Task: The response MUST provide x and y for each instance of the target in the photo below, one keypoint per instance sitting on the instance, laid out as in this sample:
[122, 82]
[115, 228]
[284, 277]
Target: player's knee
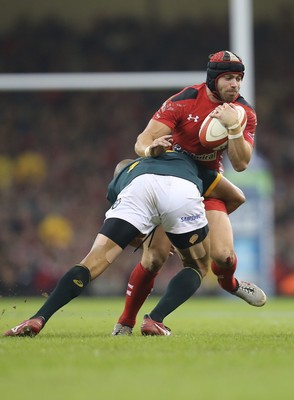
[153, 261]
[223, 258]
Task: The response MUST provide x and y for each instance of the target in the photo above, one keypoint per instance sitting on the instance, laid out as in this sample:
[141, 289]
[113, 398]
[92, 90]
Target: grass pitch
[221, 348]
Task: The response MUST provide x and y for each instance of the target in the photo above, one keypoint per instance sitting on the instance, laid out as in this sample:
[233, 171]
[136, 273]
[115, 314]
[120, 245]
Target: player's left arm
[239, 151]
[240, 144]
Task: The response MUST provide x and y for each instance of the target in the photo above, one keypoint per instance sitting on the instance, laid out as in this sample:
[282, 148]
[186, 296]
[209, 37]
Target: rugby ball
[213, 135]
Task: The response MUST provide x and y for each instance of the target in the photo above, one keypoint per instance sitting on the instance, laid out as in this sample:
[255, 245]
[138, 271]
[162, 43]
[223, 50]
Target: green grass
[221, 348]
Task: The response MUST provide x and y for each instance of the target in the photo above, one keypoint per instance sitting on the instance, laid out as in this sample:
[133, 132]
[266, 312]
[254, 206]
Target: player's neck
[212, 97]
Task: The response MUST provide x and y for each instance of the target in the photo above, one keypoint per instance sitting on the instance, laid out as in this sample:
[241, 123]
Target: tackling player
[144, 194]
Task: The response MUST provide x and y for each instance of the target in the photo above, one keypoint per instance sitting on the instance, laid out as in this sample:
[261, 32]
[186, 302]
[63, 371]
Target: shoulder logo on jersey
[116, 203]
[191, 118]
[133, 166]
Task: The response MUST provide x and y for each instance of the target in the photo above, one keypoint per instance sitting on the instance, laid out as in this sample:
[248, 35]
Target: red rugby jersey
[184, 113]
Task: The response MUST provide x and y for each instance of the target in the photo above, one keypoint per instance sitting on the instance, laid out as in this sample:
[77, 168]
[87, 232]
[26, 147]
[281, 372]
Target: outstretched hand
[159, 146]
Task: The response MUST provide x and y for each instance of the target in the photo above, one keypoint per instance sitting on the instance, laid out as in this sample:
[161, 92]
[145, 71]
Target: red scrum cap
[222, 63]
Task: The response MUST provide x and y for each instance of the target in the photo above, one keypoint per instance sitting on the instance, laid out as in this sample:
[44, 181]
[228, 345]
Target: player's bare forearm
[153, 131]
[239, 153]
[143, 141]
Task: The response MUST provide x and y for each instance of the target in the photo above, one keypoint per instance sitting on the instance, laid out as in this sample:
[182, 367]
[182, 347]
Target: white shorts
[150, 200]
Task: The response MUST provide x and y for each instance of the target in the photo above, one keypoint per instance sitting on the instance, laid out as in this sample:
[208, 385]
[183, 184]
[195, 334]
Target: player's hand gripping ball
[213, 135]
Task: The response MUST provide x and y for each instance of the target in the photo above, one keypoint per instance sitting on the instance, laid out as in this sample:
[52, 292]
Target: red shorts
[214, 204]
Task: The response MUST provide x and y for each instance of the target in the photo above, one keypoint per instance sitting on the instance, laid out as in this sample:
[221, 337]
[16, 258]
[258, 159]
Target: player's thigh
[221, 234]
[156, 250]
[181, 207]
[197, 256]
[135, 205]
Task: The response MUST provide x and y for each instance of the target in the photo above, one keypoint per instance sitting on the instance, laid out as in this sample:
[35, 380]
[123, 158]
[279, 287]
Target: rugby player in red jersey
[179, 120]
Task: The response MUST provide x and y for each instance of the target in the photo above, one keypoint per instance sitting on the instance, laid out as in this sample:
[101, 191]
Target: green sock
[69, 286]
[180, 288]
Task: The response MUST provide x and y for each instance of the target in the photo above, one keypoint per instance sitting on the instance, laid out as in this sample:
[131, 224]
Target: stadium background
[58, 149]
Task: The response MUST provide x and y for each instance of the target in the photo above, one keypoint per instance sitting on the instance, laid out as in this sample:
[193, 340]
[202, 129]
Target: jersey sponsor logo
[200, 157]
[204, 157]
[190, 218]
[190, 118]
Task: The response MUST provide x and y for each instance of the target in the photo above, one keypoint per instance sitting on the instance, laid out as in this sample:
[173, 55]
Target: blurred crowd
[58, 149]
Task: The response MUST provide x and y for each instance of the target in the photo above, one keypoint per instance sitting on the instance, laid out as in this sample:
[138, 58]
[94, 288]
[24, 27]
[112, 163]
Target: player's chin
[230, 97]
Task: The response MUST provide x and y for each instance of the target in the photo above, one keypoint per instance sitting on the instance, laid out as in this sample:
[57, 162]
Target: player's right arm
[230, 194]
[154, 140]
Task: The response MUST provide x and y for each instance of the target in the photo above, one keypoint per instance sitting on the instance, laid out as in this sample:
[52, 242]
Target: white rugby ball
[213, 135]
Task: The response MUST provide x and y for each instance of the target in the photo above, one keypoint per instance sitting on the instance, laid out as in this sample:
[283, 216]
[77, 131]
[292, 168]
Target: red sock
[140, 284]
[225, 275]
